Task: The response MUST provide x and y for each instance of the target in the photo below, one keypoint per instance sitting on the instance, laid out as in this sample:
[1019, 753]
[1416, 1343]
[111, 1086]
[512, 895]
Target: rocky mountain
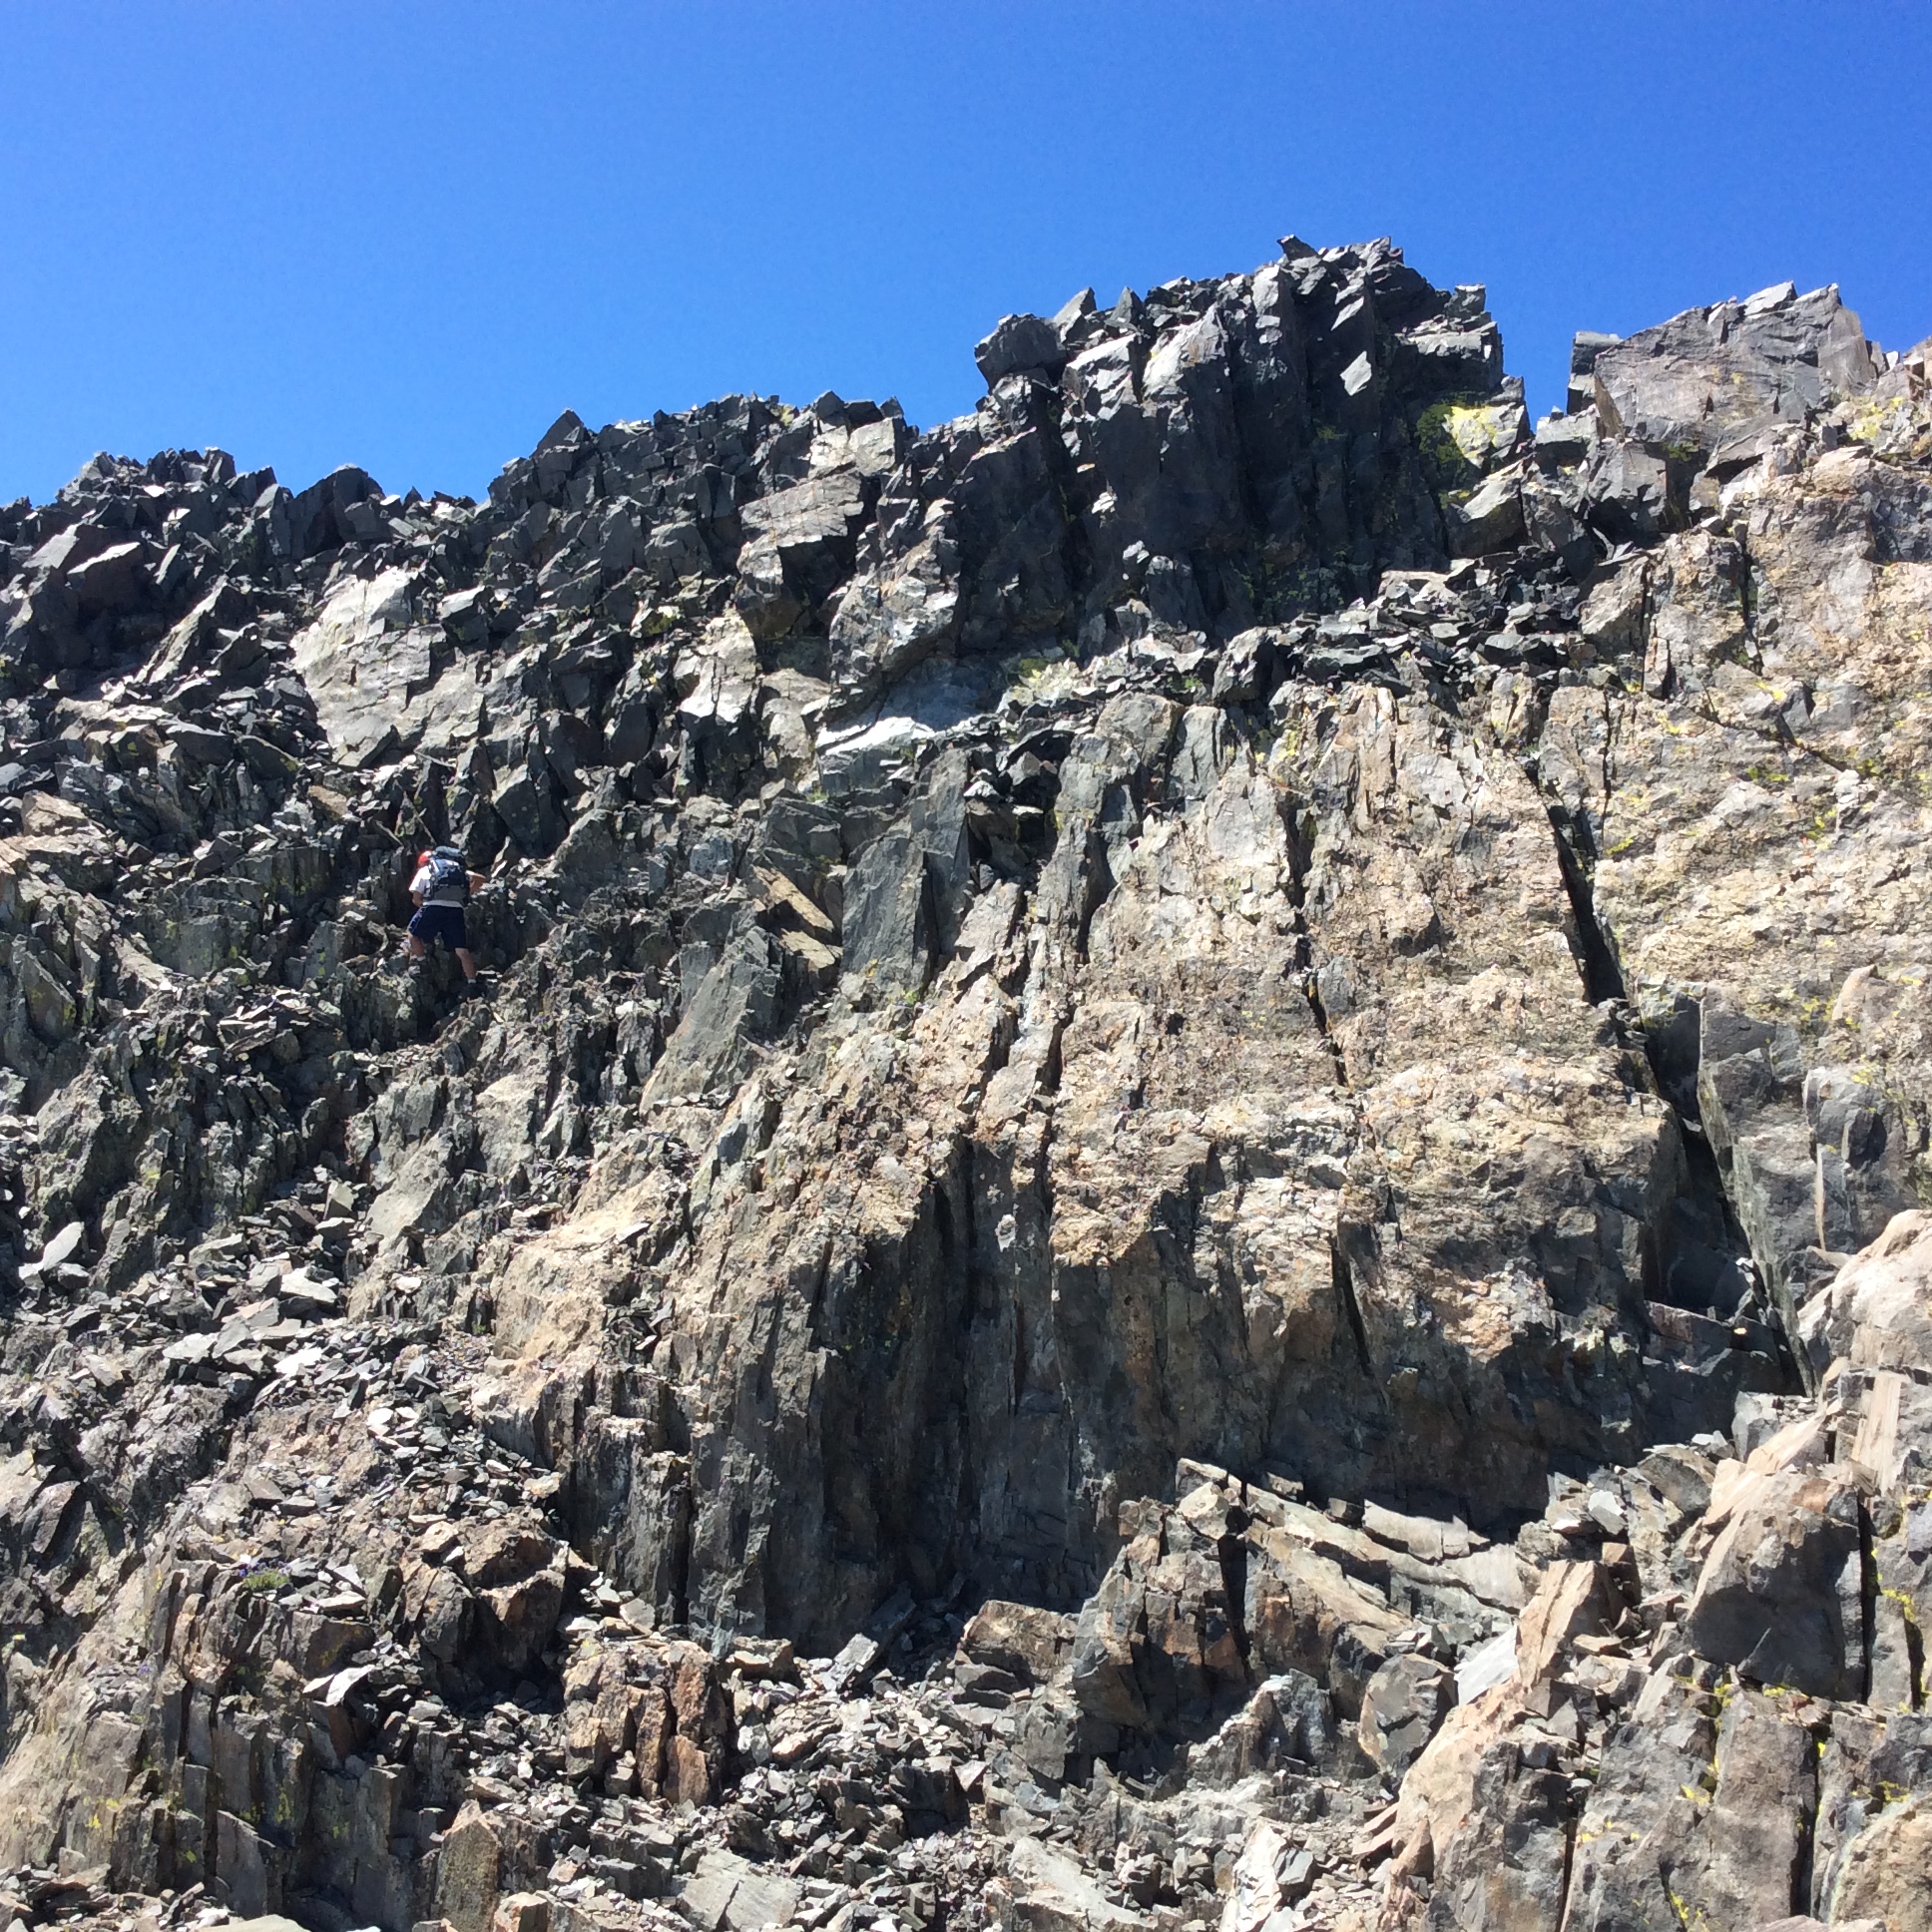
[1192, 1184]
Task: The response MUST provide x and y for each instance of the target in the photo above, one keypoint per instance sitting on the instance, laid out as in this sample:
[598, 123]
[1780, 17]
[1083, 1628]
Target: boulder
[1886, 1876]
[1695, 1813]
[1403, 1705]
[1877, 1313]
[1029, 1643]
[1780, 1594]
[1490, 518]
[1696, 378]
[468, 1865]
[1023, 343]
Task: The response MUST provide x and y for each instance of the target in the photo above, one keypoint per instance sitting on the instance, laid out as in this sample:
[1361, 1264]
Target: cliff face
[1167, 1134]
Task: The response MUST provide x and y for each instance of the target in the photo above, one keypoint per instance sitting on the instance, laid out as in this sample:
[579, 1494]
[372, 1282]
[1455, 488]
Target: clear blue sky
[407, 236]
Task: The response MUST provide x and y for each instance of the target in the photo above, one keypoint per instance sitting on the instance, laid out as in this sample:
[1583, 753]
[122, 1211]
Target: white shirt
[451, 895]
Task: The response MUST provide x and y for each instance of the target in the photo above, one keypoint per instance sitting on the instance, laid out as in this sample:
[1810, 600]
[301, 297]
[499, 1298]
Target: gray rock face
[1215, 454]
[1403, 1703]
[1708, 374]
[1781, 1596]
[1189, 1181]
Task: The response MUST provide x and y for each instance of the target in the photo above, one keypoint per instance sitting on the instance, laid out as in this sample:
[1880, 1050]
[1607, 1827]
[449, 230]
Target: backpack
[447, 869]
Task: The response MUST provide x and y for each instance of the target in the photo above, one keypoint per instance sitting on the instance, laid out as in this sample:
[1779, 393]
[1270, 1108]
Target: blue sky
[409, 235]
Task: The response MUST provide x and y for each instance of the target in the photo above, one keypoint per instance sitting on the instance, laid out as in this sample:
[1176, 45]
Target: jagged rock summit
[1191, 1184]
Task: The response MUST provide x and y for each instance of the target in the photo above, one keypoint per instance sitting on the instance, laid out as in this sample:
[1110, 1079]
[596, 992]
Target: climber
[440, 892]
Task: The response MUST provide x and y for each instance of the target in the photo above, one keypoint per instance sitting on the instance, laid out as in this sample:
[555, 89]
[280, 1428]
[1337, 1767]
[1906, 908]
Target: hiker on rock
[441, 891]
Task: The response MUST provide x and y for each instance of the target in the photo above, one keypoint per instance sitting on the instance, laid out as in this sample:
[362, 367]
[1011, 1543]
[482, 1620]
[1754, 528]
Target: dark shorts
[434, 922]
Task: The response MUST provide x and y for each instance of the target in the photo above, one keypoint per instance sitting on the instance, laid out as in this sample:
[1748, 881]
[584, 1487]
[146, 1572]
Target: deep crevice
[1345, 1278]
[1803, 1864]
[1603, 978]
[1232, 1551]
[1868, 1594]
[681, 1562]
[1699, 1265]
[1915, 1661]
[1570, 1827]
[1096, 886]
[1311, 992]
[1303, 957]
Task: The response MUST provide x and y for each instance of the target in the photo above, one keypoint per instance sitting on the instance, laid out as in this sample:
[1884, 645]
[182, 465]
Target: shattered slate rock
[1187, 1185]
